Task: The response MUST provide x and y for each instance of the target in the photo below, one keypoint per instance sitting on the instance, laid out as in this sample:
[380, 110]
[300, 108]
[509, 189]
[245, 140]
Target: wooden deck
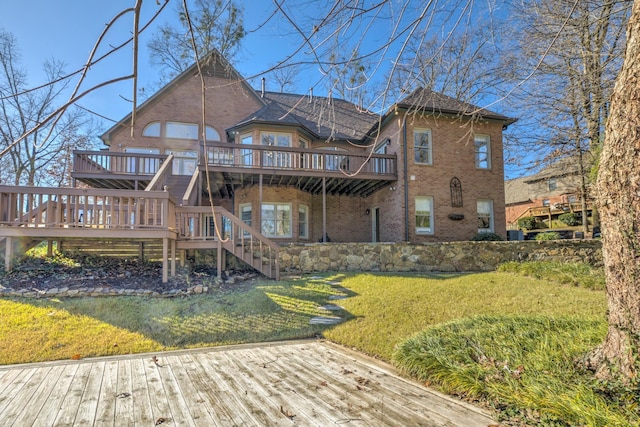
[305, 383]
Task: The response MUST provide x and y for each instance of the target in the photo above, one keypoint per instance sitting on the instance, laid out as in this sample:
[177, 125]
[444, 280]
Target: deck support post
[49, 248]
[324, 209]
[173, 258]
[165, 261]
[8, 254]
[219, 259]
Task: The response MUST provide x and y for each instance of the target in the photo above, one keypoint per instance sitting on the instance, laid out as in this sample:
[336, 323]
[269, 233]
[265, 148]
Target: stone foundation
[445, 257]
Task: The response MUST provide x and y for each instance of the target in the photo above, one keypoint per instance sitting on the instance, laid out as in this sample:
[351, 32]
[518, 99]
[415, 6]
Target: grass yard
[508, 339]
[35, 330]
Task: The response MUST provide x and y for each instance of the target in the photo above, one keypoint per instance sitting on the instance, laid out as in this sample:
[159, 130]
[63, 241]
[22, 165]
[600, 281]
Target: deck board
[317, 383]
[56, 398]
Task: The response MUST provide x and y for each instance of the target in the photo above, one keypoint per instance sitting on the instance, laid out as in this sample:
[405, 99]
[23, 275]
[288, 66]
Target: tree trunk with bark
[618, 199]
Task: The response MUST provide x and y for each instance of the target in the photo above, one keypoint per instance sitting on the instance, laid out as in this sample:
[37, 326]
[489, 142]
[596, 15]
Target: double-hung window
[485, 216]
[422, 146]
[424, 215]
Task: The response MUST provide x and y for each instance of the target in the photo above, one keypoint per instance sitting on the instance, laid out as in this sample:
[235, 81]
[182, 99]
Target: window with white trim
[422, 146]
[211, 134]
[178, 130]
[276, 158]
[245, 215]
[485, 216]
[483, 151]
[246, 154]
[152, 129]
[552, 184]
[424, 215]
[303, 222]
[276, 219]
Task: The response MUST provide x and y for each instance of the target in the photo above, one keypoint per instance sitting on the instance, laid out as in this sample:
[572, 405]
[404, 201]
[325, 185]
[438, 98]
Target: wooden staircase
[201, 227]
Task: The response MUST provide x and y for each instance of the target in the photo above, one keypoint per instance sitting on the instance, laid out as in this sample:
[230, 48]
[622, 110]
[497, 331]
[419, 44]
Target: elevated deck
[32, 214]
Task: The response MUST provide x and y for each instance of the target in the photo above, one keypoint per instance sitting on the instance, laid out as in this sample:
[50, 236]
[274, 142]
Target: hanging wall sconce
[367, 211]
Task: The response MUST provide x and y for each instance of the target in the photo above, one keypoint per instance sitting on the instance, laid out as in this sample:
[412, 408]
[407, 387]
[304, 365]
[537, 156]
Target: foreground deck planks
[303, 383]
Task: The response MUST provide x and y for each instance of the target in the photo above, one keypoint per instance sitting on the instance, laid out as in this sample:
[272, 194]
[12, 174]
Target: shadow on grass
[254, 311]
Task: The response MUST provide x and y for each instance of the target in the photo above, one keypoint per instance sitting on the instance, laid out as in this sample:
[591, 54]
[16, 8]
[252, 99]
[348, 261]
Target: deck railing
[299, 159]
[112, 162]
[95, 208]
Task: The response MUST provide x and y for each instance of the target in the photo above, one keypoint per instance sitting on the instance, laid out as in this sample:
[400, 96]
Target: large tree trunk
[618, 198]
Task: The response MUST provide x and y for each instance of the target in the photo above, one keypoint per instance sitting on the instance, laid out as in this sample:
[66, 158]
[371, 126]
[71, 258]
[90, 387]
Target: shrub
[548, 235]
[569, 219]
[485, 237]
[527, 223]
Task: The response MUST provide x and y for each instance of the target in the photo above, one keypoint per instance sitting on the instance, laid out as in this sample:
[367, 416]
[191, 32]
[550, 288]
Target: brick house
[545, 195]
[270, 168]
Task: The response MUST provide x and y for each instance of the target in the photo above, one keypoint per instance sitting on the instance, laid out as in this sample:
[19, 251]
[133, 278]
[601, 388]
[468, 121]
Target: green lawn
[510, 339]
[49, 329]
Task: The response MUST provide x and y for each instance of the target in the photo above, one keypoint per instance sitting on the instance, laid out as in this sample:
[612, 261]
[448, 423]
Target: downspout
[406, 179]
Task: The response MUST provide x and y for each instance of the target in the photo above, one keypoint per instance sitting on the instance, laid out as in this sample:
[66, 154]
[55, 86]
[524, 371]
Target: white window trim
[415, 147]
[275, 135]
[424, 230]
[491, 216]
[304, 208]
[188, 138]
[276, 236]
[487, 140]
[150, 125]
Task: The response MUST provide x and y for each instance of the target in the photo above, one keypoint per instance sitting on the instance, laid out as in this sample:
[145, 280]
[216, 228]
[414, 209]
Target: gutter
[406, 178]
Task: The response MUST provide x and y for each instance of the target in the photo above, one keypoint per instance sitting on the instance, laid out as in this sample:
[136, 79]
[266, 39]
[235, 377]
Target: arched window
[212, 134]
[152, 129]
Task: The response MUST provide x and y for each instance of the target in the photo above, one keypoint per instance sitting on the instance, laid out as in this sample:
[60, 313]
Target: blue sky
[67, 30]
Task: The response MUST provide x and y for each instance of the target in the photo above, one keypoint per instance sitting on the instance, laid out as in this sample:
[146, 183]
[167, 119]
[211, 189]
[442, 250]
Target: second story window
[152, 129]
[483, 151]
[280, 159]
[179, 130]
[552, 184]
[422, 147]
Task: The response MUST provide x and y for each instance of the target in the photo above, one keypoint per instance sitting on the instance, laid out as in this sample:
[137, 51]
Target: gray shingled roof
[561, 167]
[323, 117]
[516, 191]
[426, 99]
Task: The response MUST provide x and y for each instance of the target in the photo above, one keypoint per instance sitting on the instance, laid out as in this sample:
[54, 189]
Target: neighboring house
[552, 191]
[284, 168]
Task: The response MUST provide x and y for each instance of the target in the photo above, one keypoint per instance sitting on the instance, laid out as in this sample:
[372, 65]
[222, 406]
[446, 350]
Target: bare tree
[30, 161]
[285, 77]
[618, 187]
[217, 24]
[467, 65]
[576, 49]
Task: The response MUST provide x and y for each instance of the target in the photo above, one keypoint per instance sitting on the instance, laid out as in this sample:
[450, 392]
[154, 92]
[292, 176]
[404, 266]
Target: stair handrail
[192, 189]
[160, 178]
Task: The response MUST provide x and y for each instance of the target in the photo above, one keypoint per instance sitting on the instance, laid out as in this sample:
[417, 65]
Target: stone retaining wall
[446, 257]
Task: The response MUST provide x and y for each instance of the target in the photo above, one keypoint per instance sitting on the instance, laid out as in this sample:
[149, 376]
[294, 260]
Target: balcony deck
[233, 166]
[344, 173]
